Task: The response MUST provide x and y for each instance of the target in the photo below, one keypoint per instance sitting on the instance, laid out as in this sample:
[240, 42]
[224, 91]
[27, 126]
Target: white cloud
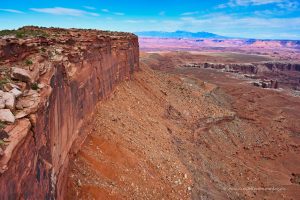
[283, 4]
[105, 10]
[134, 21]
[114, 13]
[12, 11]
[118, 13]
[63, 11]
[190, 13]
[89, 7]
[289, 5]
[236, 26]
[254, 2]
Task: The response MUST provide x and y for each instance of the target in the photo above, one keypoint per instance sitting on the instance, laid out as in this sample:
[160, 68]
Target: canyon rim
[150, 100]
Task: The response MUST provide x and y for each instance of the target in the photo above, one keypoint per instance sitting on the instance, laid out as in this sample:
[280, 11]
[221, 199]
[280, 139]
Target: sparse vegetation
[4, 69]
[3, 134]
[4, 78]
[28, 62]
[2, 125]
[7, 32]
[50, 54]
[34, 86]
[3, 81]
[2, 143]
[23, 33]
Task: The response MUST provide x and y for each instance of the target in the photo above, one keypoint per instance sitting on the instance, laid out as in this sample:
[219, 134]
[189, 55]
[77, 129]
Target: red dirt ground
[184, 133]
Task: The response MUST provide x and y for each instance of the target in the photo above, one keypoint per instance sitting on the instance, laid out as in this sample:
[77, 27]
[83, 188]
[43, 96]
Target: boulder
[14, 86]
[6, 116]
[21, 114]
[21, 74]
[28, 103]
[16, 92]
[10, 100]
[24, 103]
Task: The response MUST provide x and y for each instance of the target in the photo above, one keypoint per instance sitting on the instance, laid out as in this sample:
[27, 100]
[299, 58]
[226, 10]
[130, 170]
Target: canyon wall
[77, 68]
[266, 74]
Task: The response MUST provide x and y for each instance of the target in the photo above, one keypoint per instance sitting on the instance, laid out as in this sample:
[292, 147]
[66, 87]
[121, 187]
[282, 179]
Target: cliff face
[75, 69]
[267, 74]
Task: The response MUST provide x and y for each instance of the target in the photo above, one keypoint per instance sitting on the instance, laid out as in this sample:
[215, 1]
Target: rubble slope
[172, 136]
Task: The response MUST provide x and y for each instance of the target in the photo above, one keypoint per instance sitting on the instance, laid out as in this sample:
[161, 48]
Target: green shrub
[34, 86]
[2, 125]
[28, 62]
[3, 81]
[43, 49]
[23, 33]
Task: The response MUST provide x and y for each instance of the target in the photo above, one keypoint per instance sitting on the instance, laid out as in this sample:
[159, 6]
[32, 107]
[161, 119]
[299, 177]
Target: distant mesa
[179, 34]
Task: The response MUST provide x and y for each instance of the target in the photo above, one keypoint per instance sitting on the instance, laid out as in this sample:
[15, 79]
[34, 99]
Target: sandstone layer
[57, 76]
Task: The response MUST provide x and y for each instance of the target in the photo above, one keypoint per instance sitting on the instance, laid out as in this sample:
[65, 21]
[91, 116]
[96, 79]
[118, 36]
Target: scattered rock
[79, 183]
[21, 114]
[16, 92]
[14, 86]
[24, 103]
[21, 86]
[7, 116]
[295, 178]
[185, 176]
[41, 85]
[28, 103]
[32, 93]
[256, 84]
[7, 87]
[10, 100]
[21, 74]
[1, 152]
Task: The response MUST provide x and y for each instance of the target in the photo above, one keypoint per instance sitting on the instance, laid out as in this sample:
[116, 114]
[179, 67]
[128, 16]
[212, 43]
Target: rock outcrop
[271, 74]
[250, 68]
[58, 76]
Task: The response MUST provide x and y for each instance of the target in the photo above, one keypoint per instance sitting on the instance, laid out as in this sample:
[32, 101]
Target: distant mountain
[178, 34]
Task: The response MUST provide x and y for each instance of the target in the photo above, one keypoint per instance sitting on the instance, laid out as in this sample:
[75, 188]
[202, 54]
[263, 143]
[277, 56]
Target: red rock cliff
[69, 72]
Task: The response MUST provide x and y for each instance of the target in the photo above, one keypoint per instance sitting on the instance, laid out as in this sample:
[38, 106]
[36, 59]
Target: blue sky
[273, 19]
